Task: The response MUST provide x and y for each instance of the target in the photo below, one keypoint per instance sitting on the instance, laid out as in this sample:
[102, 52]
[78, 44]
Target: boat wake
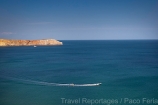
[59, 84]
[52, 84]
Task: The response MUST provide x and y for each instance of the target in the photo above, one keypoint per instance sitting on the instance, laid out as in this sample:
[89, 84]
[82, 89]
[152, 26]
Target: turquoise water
[128, 71]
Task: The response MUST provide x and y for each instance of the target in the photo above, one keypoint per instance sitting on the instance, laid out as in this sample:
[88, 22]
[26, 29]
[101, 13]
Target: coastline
[42, 42]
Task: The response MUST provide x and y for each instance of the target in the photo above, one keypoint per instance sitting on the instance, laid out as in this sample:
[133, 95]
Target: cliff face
[6, 42]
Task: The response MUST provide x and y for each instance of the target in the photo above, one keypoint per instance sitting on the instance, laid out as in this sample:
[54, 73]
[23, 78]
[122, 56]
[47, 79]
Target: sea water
[127, 69]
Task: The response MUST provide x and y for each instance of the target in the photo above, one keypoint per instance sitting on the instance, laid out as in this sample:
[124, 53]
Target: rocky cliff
[43, 42]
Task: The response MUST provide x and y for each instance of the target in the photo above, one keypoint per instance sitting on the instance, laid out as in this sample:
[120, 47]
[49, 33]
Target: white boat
[34, 46]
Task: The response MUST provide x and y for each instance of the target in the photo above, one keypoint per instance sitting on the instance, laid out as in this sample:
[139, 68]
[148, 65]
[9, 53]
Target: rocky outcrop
[43, 42]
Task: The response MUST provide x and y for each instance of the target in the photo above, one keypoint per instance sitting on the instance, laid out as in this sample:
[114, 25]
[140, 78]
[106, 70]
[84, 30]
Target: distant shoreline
[42, 42]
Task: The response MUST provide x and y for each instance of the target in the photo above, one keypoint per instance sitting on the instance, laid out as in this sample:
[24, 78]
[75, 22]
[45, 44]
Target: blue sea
[49, 75]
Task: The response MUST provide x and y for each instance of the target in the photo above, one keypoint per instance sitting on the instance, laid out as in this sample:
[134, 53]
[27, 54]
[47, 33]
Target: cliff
[43, 42]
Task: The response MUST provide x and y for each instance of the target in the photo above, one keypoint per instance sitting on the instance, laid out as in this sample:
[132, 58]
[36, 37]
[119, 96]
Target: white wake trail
[60, 84]
[51, 84]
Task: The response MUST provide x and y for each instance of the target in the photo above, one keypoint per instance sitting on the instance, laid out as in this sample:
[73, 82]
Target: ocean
[68, 74]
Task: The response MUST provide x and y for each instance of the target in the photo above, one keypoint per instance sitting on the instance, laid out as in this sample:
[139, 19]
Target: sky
[79, 19]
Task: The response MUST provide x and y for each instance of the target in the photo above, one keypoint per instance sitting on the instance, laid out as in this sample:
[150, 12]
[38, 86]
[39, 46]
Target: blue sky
[79, 19]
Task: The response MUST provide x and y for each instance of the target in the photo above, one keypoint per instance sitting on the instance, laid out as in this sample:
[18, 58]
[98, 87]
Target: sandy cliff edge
[42, 42]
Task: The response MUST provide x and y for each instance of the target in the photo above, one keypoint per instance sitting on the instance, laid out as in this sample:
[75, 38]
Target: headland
[42, 42]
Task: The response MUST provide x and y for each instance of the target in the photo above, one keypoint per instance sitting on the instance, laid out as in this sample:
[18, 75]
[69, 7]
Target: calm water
[126, 69]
